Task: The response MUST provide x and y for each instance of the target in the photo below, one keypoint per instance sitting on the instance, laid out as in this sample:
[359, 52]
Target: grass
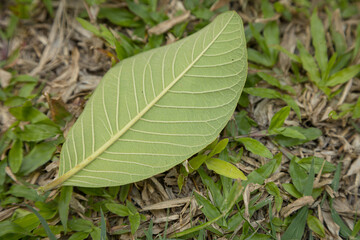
[286, 134]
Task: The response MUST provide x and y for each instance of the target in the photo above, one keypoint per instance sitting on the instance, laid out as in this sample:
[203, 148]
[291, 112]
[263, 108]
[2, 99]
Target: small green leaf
[315, 225]
[318, 41]
[81, 225]
[263, 92]
[290, 188]
[356, 111]
[272, 189]
[298, 175]
[214, 188]
[124, 192]
[278, 119]
[309, 133]
[38, 131]
[255, 147]
[224, 168]
[343, 75]
[295, 231]
[292, 56]
[16, 156]
[118, 209]
[289, 132]
[274, 82]
[219, 147]
[103, 226]
[43, 222]
[318, 163]
[25, 192]
[356, 229]
[196, 162]
[291, 102]
[119, 16]
[38, 156]
[134, 220]
[8, 227]
[88, 26]
[63, 205]
[209, 210]
[309, 64]
[262, 173]
[79, 236]
[309, 183]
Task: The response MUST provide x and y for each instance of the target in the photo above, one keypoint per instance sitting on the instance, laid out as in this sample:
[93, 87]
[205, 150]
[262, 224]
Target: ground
[295, 132]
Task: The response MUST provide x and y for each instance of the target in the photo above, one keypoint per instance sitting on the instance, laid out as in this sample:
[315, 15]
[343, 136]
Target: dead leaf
[168, 24]
[299, 203]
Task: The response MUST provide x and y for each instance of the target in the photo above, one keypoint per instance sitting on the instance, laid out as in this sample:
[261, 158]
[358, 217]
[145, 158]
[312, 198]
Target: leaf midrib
[116, 136]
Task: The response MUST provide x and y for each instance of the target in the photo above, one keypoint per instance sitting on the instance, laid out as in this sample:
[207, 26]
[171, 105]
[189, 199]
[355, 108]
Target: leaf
[356, 111]
[38, 156]
[263, 92]
[119, 16]
[156, 109]
[298, 175]
[272, 189]
[38, 131]
[209, 210]
[309, 133]
[274, 82]
[279, 118]
[309, 64]
[64, 205]
[318, 41]
[255, 147]
[79, 236]
[118, 209]
[88, 26]
[289, 132]
[16, 156]
[81, 225]
[343, 75]
[8, 227]
[318, 163]
[290, 188]
[315, 225]
[43, 222]
[224, 168]
[220, 146]
[259, 175]
[295, 231]
[103, 226]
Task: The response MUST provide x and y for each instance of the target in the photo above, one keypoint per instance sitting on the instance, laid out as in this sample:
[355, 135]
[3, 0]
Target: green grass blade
[43, 222]
[63, 205]
[319, 41]
[295, 231]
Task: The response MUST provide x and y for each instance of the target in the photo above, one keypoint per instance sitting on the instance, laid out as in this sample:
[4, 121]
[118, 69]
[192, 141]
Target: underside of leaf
[154, 110]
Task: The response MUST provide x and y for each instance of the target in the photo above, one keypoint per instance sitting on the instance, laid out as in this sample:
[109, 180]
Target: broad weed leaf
[154, 110]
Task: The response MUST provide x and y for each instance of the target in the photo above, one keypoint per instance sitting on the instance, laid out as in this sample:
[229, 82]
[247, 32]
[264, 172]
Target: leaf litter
[70, 61]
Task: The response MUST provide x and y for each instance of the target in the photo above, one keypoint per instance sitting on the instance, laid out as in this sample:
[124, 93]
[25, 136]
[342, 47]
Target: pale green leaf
[356, 111]
[319, 41]
[315, 225]
[309, 64]
[279, 118]
[224, 168]
[118, 209]
[343, 75]
[255, 147]
[272, 189]
[154, 110]
[64, 205]
[289, 132]
[16, 156]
